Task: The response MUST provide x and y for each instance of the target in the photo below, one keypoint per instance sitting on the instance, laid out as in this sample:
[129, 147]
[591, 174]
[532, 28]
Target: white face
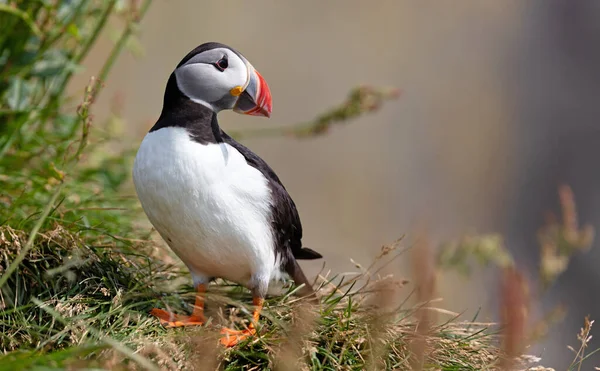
[204, 80]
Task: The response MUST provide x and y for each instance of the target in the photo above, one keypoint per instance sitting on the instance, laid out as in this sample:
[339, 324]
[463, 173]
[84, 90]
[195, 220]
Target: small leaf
[54, 64]
[18, 94]
[74, 31]
[4, 8]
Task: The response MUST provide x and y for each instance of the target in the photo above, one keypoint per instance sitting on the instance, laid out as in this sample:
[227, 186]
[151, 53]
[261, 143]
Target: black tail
[307, 254]
[294, 270]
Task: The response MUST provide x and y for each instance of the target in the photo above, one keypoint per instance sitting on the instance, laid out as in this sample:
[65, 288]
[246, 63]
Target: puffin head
[220, 78]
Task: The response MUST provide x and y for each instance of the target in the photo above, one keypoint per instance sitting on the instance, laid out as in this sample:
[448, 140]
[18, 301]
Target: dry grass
[91, 304]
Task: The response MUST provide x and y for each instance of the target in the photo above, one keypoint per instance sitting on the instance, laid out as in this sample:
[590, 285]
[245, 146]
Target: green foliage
[39, 52]
[485, 249]
[57, 179]
[360, 100]
[90, 310]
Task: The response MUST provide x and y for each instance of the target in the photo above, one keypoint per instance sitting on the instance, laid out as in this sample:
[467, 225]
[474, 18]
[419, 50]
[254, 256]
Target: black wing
[286, 221]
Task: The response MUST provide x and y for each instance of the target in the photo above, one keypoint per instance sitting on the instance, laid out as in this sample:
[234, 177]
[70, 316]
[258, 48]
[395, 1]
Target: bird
[218, 206]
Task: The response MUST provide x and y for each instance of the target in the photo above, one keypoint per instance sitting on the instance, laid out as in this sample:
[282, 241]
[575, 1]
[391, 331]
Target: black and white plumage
[218, 205]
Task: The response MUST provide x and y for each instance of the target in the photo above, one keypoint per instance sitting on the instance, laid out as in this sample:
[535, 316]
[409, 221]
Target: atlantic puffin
[219, 206]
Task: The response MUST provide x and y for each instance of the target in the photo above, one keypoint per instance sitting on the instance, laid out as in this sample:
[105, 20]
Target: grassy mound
[76, 302]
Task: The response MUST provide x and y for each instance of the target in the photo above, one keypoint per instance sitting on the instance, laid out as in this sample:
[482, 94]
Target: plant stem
[84, 115]
[116, 345]
[29, 244]
[99, 27]
[121, 42]
[88, 44]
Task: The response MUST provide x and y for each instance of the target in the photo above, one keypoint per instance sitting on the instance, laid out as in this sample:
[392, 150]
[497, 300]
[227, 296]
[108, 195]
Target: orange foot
[234, 337]
[169, 319]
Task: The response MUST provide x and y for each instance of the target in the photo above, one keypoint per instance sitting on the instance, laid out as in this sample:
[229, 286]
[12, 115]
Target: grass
[79, 269]
[90, 306]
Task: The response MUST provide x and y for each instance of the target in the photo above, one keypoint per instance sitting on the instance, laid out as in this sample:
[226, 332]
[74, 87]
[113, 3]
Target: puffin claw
[234, 337]
[169, 319]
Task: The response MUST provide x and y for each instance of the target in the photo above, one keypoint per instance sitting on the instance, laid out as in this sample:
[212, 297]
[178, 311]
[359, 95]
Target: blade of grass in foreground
[92, 92]
[33, 360]
[117, 346]
[36, 228]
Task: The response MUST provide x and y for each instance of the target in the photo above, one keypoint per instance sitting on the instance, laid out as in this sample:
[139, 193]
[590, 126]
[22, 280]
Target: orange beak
[256, 99]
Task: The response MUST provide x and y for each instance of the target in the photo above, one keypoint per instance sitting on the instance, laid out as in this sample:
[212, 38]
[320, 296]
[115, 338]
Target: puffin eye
[222, 64]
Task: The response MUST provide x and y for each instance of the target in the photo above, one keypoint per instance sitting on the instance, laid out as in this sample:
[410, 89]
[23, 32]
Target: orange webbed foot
[169, 319]
[234, 337]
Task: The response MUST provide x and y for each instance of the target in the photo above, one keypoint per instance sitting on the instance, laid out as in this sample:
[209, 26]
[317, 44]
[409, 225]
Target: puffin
[218, 206]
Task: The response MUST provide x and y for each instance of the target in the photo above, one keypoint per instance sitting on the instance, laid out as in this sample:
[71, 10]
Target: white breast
[208, 204]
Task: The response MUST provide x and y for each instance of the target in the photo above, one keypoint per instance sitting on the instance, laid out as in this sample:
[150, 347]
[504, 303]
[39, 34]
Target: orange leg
[233, 337]
[169, 319]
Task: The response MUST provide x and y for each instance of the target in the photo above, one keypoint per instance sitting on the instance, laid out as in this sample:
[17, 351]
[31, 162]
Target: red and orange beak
[255, 99]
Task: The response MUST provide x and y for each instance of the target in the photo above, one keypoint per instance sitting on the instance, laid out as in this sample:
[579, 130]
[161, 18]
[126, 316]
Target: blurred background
[500, 106]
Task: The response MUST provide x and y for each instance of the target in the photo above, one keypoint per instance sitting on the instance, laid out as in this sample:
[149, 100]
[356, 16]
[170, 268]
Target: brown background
[500, 105]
